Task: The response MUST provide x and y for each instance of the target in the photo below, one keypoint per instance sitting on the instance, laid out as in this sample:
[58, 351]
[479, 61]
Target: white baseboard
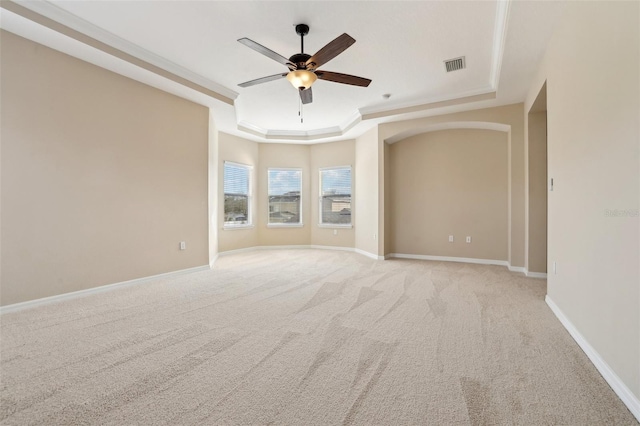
[351, 249]
[311, 246]
[295, 247]
[370, 255]
[618, 386]
[108, 287]
[236, 251]
[393, 255]
[450, 259]
[535, 274]
[517, 269]
[286, 247]
[254, 248]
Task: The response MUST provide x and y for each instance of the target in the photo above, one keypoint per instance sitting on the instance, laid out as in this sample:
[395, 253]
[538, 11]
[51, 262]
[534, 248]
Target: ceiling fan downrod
[303, 68]
[302, 30]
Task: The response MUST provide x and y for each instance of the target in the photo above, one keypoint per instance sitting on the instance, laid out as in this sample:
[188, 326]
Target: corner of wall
[382, 180]
[213, 190]
[367, 186]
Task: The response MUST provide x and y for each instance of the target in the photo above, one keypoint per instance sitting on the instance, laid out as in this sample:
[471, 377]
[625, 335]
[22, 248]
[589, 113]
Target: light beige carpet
[304, 337]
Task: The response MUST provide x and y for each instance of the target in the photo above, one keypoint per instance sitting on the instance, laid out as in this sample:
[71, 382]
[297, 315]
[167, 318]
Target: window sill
[236, 227]
[335, 225]
[284, 225]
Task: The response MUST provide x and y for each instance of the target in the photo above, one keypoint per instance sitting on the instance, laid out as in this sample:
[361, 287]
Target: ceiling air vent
[455, 64]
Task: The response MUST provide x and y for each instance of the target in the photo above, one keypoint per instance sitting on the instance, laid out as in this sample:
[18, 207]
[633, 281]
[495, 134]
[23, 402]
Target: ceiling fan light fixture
[302, 79]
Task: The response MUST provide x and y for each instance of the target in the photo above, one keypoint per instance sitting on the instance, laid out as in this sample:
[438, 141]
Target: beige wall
[214, 191]
[101, 187]
[593, 114]
[382, 182]
[537, 192]
[449, 182]
[388, 218]
[262, 156]
[510, 117]
[274, 155]
[329, 155]
[102, 176]
[367, 190]
[242, 151]
[369, 155]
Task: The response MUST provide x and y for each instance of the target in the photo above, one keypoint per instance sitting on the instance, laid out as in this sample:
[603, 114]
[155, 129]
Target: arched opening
[449, 179]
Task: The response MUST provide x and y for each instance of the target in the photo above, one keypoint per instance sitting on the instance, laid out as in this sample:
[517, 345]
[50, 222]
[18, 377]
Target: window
[237, 195]
[335, 196]
[284, 187]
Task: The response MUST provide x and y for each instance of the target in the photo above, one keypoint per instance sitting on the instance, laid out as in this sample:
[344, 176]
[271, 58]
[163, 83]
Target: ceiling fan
[303, 68]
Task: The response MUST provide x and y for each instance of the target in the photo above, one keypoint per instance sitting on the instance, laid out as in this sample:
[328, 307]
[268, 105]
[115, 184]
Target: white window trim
[237, 227]
[228, 226]
[285, 225]
[335, 225]
[322, 224]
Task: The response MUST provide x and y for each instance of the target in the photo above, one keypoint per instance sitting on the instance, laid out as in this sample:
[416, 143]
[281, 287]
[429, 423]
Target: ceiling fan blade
[330, 51]
[265, 51]
[306, 96]
[343, 78]
[263, 80]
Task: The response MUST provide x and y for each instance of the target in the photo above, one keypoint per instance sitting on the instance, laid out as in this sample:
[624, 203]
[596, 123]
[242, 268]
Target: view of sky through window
[284, 181]
[236, 179]
[336, 181]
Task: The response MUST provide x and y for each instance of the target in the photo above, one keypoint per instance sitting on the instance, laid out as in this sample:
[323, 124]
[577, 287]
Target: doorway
[536, 262]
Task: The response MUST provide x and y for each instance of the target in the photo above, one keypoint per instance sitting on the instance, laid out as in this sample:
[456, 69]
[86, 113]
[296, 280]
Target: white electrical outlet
[335, 232]
[450, 238]
[555, 267]
[468, 239]
[183, 245]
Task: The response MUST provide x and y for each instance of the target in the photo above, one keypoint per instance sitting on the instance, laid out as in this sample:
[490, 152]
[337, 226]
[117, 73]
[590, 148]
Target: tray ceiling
[401, 46]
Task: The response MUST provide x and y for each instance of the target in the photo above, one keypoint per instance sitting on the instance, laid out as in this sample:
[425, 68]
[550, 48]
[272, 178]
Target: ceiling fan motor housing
[300, 59]
[302, 69]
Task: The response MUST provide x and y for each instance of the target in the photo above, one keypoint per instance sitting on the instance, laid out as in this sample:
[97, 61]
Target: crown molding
[481, 94]
[301, 135]
[287, 135]
[53, 17]
[399, 109]
[362, 115]
[499, 37]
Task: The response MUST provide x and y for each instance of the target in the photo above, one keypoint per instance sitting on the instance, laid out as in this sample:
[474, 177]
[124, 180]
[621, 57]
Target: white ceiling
[400, 45]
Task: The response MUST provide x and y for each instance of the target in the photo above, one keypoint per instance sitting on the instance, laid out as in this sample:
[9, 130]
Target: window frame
[231, 225]
[299, 224]
[322, 224]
